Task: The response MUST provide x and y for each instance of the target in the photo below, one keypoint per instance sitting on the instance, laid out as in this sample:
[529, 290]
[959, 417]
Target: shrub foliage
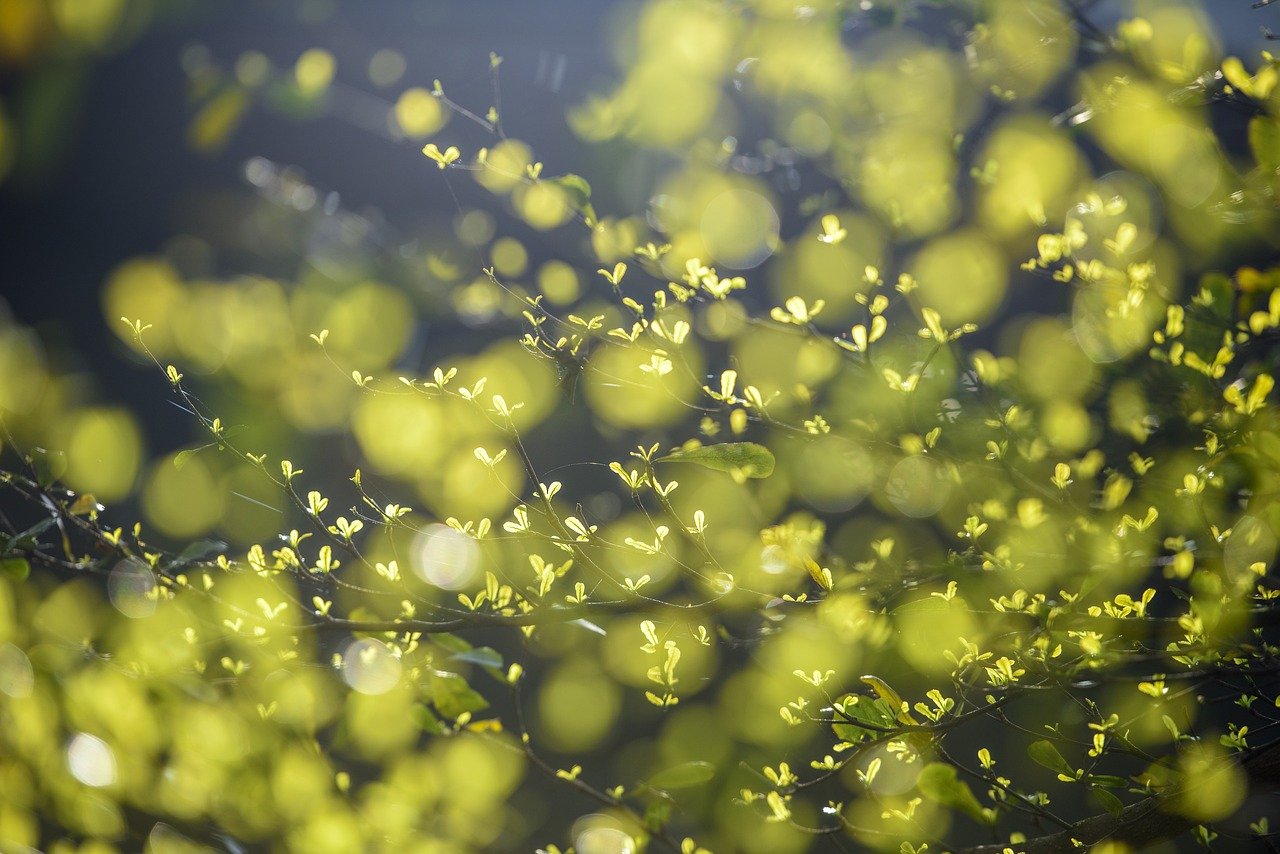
[899, 476]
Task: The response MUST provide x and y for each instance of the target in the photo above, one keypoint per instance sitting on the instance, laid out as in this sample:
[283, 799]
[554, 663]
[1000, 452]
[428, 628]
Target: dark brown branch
[1142, 824]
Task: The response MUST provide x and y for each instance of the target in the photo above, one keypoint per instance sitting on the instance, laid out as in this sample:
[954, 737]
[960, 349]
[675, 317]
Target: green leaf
[864, 709]
[683, 776]
[1044, 753]
[1109, 781]
[15, 568]
[488, 658]
[578, 192]
[656, 816]
[452, 695]
[1108, 801]
[427, 721]
[198, 551]
[48, 465]
[938, 783]
[30, 538]
[575, 186]
[180, 458]
[747, 457]
[1264, 140]
[451, 642]
[217, 120]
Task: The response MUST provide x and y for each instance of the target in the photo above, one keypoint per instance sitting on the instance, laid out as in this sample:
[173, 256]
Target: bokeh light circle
[446, 558]
[369, 667]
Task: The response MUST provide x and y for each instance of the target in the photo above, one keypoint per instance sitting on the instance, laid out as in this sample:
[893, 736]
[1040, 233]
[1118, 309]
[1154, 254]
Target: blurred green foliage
[921, 460]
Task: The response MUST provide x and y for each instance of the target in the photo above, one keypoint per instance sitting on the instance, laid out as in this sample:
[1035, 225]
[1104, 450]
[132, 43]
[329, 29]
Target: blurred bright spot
[773, 560]
[602, 839]
[131, 588]
[181, 496]
[1050, 361]
[386, 67]
[145, 289]
[918, 487]
[1036, 167]
[1066, 424]
[419, 113]
[625, 396]
[1213, 785]
[469, 488]
[1187, 159]
[252, 505]
[505, 166]
[740, 228]
[1182, 44]
[777, 360]
[1106, 334]
[215, 122]
[906, 177]
[559, 282]
[103, 450]
[809, 134]
[665, 105]
[91, 761]
[961, 275]
[1024, 46]
[832, 474]
[23, 367]
[721, 321]
[371, 322]
[519, 377]
[832, 272]
[314, 70]
[474, 228]
[510, 258]
[8, 143]
[543, 205]
[369, 667]
[477, 302]
[24, 30]
[316, 396]
[17, 678]
[1252, 541]
[927, 626]
[400, 434]
[252, 68]
[90, 22]
[614, 239]
[577, 707]
[894, 777]
[445, 557]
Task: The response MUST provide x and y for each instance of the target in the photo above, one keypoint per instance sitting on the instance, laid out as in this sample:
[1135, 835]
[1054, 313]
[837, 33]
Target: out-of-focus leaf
[29, 538]
[46, 108]
[427, 720]
[1108, 801]
[683, 776]
[938, 783]
[1264, 141]
[1044, 753]
[452, 695]
[483, 656]
[578, 192]
[747, 457]
[199, 550]
[216, 120]
[83, 505]
[15, 568]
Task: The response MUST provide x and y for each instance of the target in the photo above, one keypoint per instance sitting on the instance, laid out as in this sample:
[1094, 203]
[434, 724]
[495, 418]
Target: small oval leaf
[1044, 753]
[749, 458]
[683, 776]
